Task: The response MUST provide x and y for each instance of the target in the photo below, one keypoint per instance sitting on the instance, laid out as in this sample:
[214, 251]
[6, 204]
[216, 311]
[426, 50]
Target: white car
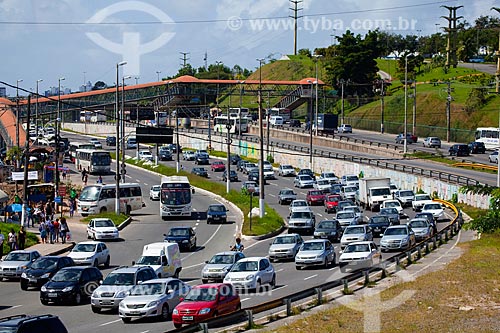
[154, 192]
[393, 203]
[421, 227]
[97, 144]
[322, 185]
[356, 233]
[217, 267]
[189, 155]
[268, 171]
[299, 204]
[349, 192]
[302, 181]
[359, 255]
[330, 176]
[393, 188]
[345, 128]
[397, 237]
[90, 253]
[420, 200]
[14, 263]
[153, 298]
[347, 180]
[357, 212]
[251, 273]
[102, 228]
[436, 209]
[146, 155]
[406, 197]
[286, 170]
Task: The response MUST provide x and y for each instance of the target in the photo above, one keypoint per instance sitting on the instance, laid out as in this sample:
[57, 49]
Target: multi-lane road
[147, 227]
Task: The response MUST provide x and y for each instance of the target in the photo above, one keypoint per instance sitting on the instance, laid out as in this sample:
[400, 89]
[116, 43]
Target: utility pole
[316, 58]
[184, 58]
[448, 111]
[497, 53]
[205, 60]
[382, 94]
[451, 48]
[26, 162]
[268, 123]
[405, 148]
[342, 82]
[414, 120]
[261, 136]
[295, 17]
[228, 139]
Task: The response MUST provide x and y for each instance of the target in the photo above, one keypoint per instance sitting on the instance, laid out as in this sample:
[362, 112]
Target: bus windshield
[101, 158]
[176, 196]
[90, 193]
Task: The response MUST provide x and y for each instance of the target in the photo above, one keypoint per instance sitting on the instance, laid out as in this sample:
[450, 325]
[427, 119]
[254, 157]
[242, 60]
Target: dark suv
[32, 324]
[184, 236]
[111, 140]
[459, 150]
[477, 147]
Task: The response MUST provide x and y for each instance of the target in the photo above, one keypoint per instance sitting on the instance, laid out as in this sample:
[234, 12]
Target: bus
[100, 198]
[96, 161]
[285, 113]
[237, 124]
[489, 136]
[175, 196]
[87, 116]
[239, 111]
[73, 146]
[41, 192]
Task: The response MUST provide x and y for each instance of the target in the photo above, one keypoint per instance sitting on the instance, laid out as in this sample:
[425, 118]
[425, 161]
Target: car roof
[317, 240]
[397, 226]
[225, 253]
[127, 269]
[361, 243]
[23, 251]
[105, 218]
[251, 259]
[181, 227]
[90, 242]
[161, 280]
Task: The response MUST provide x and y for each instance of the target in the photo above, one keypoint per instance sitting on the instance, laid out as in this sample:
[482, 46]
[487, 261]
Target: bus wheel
[103, 210]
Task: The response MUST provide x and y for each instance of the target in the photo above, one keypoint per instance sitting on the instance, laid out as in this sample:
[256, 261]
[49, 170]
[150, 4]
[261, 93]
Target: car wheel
[78, 298]
[164, 312]
[88, 235]
[297, 267]
[204, 281]
[44, 302]
[257, 286]
[96, 263]
[273, 282]
[126, 320]
[95, 309]
[24, 285]
[94, 237]
[106, 264]
[326, 263]
[177, 325]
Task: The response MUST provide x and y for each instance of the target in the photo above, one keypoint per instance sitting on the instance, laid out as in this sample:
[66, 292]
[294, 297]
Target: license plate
[134, 312]
[85, 209]
[187, 317]
[33, 280]
[377, 229]
[52, 294]
[106, 303]
[216, 217]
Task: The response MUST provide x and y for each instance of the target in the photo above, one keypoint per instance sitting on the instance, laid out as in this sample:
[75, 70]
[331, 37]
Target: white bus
[489, 136]
[73, 146]
[175, 196]
[100, 198]
[285, 113]
[96, 161]
[237, 124]
[92, 116]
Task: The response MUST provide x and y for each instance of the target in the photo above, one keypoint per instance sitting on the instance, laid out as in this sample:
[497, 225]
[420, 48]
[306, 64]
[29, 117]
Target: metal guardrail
[411, 255]
[477, 166]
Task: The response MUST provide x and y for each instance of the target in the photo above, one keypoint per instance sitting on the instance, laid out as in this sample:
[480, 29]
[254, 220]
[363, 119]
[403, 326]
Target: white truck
[163, 257]
[373, 191]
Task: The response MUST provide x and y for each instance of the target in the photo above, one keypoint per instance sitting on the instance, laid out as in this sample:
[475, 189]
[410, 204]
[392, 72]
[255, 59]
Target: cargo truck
[372, 192]
[327, 123]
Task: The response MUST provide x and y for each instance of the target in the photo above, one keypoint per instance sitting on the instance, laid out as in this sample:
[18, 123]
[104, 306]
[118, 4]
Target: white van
[131, 142]
[276, 121]
[163, 257]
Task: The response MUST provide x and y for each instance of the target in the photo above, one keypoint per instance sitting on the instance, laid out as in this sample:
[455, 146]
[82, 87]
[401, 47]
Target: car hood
[13, 264]
[141, 299]
[195, 306]
[275, 247]
[317, 197]
[176, 238]
[81, 255]
[353, 255]
[60, 285]
[299, 220]
[327, 230]
[39, 272]
[214, 213]
[232, 275]
[345, 236]
[419, 230]
[112, 288]
[393, 237]
[217, 266]
[311, 253]
[107, 229]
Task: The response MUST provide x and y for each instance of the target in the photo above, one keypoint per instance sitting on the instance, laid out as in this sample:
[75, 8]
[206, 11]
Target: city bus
[285, 113]
[95, 161]
[88, 116]
[100, 198]
[41, 192]
[489, 136]
[237, 124]
[73, 146]
[175, 196]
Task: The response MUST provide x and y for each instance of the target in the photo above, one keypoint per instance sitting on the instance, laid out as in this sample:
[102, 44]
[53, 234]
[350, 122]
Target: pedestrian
[21, 238]
[30, 211]
[48, 210]
[64, 174]
[99, 180]
[64, 229]
[85, 179]
[12, 240]
[2, 238]
[51, 231]
[84, 174]
[71, 207]
[56, 230]
[43, 232]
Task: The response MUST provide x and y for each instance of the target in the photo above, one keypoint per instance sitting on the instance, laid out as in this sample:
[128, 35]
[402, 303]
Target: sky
[84, 40]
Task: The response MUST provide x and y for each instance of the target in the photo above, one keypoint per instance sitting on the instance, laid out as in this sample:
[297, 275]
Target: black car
[173, 148]
[165, 154]
[71, 285]
[217, 213]
[200, 171]
[184, 236]
[329, 229]
[202, 158]
[111, 140]
[295, 123]
[42, 269]
[32, 324]
[477, 147]
[233, 176]
[459, 150]
[234, 159]
[379, 223]
[307, 172]
[254, 175]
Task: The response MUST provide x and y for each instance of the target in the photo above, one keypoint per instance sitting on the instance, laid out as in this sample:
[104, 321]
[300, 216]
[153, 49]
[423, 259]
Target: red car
[315, 197]
[218, 166]
[331, 202]
[206, 301]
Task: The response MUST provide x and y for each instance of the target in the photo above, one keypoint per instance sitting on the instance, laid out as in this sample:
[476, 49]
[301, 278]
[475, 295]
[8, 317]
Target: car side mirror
[206, 261]
[164, 235]
[192, 190]
[133, 263]
[100, 281]
[170, 291]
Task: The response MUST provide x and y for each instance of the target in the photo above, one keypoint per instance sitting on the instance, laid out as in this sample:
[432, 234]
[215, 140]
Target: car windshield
[45, 263]
[245, 266]
[422, 197]
[389, 211]
[357, 248]
[381, 191]
[418, 224]
[217, 208]
[84, 248]
[287, 192]
[119, 279]
[104, 223]
[379, 219]
[157, 288]
[432, 206]
[354, 230]
[329, 175]
[284, 240]
[390, 204]
[219, 259]
[351, 178]
[90, 193]
[315, 193]
[406, 194]
[326, 225]
[285, 167]
[300, 203]
[149, 260]
[64, 275]
[323, 182]
[332, 198]
[313, 246]
[16, 256]
[350, 189]
[301, 215]
[202, 295]
[178, 232]
[354, 209]
[395, 231]
[156, 188]
[345, 215]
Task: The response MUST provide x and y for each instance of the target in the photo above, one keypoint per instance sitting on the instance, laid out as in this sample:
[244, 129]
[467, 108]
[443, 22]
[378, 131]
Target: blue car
[216, 213]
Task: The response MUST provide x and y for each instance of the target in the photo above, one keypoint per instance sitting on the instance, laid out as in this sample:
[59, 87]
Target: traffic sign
[58, 200]
[62, 190]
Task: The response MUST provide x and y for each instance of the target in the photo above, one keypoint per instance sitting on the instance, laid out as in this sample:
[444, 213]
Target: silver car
[346, 218]
[355, 233]
[405, 197]
[153, 298]
[217, 267]
[317, 252]
[302, 220]
[14, 264]
[397, 237]
[285, 247]
[303, 181]
[286, 170]
[421, 227]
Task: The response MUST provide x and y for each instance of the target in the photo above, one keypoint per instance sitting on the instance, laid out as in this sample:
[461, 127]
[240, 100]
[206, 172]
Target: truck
[163, 257]
[327, 123]
[373, 191]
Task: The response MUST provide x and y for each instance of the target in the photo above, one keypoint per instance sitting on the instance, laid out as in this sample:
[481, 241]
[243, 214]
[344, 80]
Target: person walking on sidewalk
[43, 232]
[84, 174]
[51, 231]
[71, 207]
[64, 229]
[21, 238]
[56, 230]
[12, 240]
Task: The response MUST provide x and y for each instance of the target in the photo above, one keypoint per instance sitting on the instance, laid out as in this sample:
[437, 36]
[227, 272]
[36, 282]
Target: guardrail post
[452, 230]
[419, 253]
[427, 251]
[288, 302]
[398, 264]
[409, 259]
[366, 274]
[446, 237]
[345, 282]
[250, 318]
[434, 245]
[203, 327]
[319, 291]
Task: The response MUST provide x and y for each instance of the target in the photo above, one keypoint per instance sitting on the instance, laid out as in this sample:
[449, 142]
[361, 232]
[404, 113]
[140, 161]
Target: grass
[31, 238]
[117, 219]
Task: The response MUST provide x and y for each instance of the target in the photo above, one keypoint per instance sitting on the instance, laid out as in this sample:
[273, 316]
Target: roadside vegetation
[31, 238]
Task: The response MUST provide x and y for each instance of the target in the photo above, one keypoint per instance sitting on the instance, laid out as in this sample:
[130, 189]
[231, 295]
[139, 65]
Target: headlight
[45, 276]
[227, 278]
[185, 241]
[204, 310]
[43, 289]
[249, 277]
[404, 241]
[121, 294]
[122, 305]
[153, 303]
[175, 311]
[65, 290]
[89, 258]
[95, 294]
[24, 276]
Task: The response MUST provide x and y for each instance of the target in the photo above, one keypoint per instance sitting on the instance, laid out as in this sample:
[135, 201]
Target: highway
[147, 227]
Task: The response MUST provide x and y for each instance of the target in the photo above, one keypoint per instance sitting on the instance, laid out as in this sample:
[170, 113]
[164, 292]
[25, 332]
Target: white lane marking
[271, 195]
[111, 322]
[197, 223]
[273, 184]
[320, 215]
[205, 244]
[331, 269]
[145, 331]
[310, 277]
[284, 286]
[15, 306]
[279, 270]
[245, 299]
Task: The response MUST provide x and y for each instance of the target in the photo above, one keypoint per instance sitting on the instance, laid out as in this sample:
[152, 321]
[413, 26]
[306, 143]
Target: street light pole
[122, 125]
[36, 111]
[261, 137]
[316, 57]
[405, 149]
[17, 117]
[58, 131]
[117, 148]
[311, 126]
[158, 75]
[241, 103]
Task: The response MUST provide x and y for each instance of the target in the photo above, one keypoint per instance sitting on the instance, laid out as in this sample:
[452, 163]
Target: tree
[305, 52]
[490, 221]
[186, 70]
